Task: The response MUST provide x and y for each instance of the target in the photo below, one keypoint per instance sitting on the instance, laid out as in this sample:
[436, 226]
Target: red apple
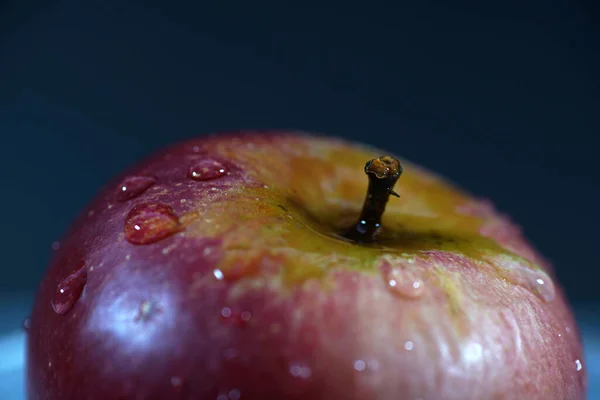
[234, 267]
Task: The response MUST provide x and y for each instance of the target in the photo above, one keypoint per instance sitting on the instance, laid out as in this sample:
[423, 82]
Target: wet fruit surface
[133, 186]
[207, 169]
[226, 275]
[69, 290]
[150, 222]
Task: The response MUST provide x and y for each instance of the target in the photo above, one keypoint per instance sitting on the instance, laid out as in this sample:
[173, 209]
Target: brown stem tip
[383, 173]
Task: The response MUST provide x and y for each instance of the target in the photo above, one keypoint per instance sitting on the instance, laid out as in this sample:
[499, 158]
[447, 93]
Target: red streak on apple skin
[165, 320]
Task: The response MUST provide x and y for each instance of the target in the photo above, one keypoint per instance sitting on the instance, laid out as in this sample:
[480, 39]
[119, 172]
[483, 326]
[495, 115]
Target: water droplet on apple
[150, 222]
[236, 319]
[578, 365]
[133, 186]
[300, 370]
[26, 324]
[519, 272]
[218, 274]
[55, 246]
[226, 312]
[365, 365]
[207, 169]
[402, 282]
[409, 345]
[401, 277]
[69, 291]
[360, 365]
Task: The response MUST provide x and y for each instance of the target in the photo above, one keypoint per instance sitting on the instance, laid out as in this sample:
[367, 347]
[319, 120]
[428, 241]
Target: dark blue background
[503, 98]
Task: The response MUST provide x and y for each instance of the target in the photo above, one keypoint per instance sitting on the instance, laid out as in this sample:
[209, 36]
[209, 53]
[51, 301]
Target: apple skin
[221, 275]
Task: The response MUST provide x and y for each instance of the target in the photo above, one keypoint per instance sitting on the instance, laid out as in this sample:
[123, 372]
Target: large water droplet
[207, 169]
[519, 272]
[401, 276]
[69, 290]
[133, 186]
[150, 222]
[404, 283]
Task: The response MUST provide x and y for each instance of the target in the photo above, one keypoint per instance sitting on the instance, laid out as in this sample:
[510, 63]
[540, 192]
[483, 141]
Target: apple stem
[383, 173]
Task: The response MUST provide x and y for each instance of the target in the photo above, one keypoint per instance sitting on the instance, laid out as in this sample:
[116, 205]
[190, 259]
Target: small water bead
[233, 318]
[300, 370]
[150, 222]
[133, 186]
[226, 312]
[69, 291]
[578, 365]
[366, 365]
[519, 272]
[360, 365]
[542, 287]
[245, 316]
[207, 169]
[55, 246]
[401, 276]
[404, 283]
[408, 345]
